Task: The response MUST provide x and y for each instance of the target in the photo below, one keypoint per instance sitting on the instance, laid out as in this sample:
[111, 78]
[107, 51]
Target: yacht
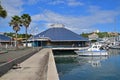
[94, 50]
[115, 45]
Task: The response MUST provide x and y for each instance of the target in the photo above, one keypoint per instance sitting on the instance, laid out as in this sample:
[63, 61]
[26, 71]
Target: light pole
[34, 31]
[31, 30]
[41, 40]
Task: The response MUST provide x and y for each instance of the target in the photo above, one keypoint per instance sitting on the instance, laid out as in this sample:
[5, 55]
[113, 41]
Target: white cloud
[38, 17]
[31, 2]
[66, 2]
[13, 7]
[55, 2]
[75, 3]
[77, 24]
[80, 23]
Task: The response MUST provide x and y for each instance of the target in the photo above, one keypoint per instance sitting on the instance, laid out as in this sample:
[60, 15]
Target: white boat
[115, 45]
[94, 50]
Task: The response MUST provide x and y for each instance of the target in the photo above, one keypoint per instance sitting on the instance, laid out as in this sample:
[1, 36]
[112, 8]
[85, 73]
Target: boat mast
[115, 31]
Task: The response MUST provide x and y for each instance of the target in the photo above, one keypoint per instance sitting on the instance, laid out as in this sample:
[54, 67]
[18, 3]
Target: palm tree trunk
[26, 37]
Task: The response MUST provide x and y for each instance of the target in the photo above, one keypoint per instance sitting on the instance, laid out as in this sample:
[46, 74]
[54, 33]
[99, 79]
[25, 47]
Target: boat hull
[115, 47]
[92, 53]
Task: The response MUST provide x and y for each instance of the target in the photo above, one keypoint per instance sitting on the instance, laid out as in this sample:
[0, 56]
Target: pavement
[12, 54]
[34, 68]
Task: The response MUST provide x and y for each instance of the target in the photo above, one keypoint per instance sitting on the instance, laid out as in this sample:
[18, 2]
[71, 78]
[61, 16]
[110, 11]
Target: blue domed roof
[60, 34]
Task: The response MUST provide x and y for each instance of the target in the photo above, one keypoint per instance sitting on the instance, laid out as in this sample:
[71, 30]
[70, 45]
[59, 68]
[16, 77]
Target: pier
[69, 48]
[41, 66]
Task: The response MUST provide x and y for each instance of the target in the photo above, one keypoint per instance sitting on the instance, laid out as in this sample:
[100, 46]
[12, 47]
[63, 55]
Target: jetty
[40, 66]
[69, 48]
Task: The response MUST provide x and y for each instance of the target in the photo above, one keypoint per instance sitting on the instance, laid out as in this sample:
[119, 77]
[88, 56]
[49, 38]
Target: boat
[116, 42]
[94, 50]
[115, 45]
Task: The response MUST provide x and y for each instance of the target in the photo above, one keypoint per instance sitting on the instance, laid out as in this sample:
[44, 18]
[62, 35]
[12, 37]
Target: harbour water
[89, 68]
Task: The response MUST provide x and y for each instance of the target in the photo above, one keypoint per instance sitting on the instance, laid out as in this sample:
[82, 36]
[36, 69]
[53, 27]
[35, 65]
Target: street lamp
[34, 31]
[41, 39]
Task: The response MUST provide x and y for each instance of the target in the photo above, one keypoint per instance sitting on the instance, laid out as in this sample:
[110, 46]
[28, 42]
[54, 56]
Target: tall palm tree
[3, 12]
[26, 20]
[16, 23]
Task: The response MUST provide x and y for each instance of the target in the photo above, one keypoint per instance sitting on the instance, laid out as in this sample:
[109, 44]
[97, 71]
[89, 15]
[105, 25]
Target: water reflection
[65, 60]
[90, 68]
[94, 61]
[114, 52]
[66, 65]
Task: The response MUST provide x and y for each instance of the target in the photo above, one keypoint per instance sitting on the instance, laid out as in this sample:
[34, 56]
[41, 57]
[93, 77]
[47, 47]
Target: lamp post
[41, 40]
[31, 30]
[34, 31]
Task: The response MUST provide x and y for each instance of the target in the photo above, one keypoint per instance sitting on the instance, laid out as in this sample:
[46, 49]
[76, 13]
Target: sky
[77, 15]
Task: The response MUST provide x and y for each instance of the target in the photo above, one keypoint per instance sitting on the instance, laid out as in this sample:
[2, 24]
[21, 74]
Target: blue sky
[77, 15]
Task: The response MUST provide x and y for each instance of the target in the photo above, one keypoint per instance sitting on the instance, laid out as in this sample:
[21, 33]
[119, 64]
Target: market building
[58, 36]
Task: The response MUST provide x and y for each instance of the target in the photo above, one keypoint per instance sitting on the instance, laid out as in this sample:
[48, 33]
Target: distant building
[97, 31]
[113, 33]
[58, 36]
[93, 36]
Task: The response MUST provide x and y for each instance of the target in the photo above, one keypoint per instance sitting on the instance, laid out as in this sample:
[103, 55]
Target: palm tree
[3, 12]
[16, 23]
[26, 20]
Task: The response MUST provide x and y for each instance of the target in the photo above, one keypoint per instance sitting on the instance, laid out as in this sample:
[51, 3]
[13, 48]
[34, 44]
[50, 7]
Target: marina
[89, 68]
[60, 40]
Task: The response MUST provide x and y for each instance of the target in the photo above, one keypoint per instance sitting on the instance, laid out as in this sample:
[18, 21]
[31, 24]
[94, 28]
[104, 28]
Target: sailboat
[116, 43]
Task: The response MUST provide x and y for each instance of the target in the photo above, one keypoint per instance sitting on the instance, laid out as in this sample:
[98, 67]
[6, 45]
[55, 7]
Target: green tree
[16, 23]
[26, 20]
[3, 12]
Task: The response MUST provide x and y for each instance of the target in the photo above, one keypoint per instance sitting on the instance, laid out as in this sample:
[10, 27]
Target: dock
[69, 48]
[41, 66]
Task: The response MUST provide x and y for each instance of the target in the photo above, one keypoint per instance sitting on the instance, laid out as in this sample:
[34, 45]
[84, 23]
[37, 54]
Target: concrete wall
[52, 73]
